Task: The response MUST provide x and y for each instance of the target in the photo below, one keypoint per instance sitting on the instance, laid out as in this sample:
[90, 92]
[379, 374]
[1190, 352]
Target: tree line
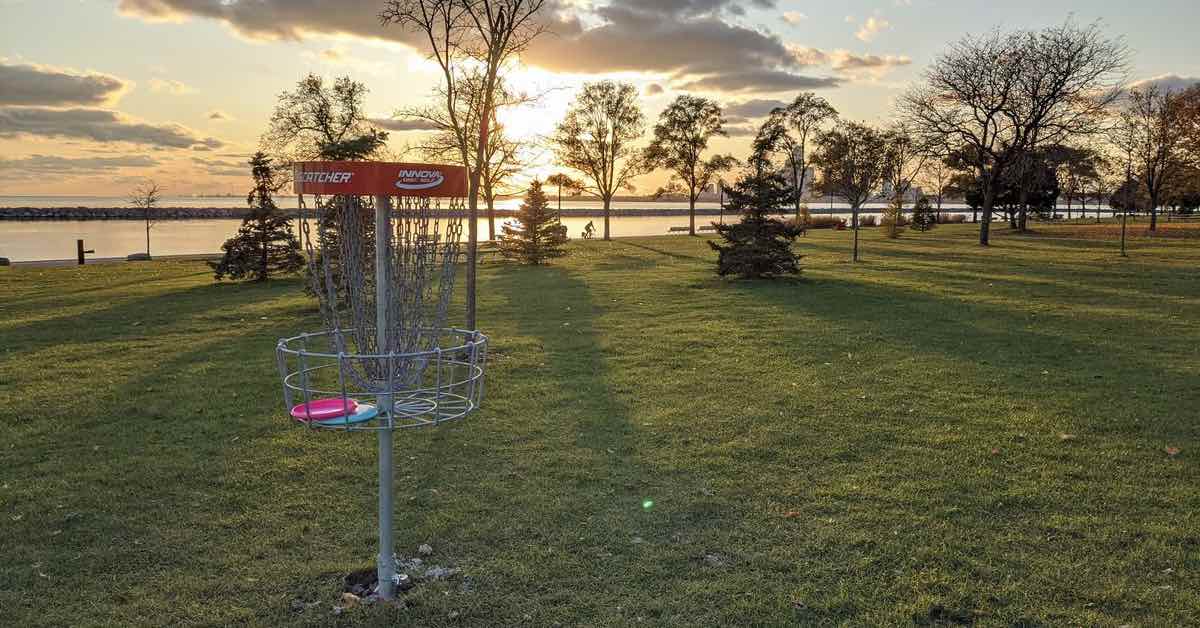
[1011, 121]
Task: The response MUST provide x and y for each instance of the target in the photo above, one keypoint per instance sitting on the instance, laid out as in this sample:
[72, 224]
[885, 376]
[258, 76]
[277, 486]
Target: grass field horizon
[942, 434]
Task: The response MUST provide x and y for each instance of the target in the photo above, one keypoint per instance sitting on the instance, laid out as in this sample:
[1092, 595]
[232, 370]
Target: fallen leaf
[1172, 451]
[1066, 437]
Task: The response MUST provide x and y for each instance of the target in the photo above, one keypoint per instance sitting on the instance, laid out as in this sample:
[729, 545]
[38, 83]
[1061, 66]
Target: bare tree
[1002, 95]
[145, 197]
[853, 161]
[793, 126]
[1074, 167]
[1153, 131]
[905, 162]
[560, 180]
[320, 121]
[487, 35]
[596, 139]
[680, 139]
[504, 155]
[936, 178]
[1101, 186]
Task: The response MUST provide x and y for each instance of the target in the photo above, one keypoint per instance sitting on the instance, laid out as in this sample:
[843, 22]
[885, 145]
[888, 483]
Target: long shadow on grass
[672, 254]
[1002, 340]
[174, 311]
[577, 465]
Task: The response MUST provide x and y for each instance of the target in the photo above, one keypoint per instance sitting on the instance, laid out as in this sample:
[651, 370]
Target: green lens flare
[648, 504]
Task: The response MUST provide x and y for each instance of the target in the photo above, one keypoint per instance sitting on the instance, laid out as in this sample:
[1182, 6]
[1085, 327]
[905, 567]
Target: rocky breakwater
[117, 213]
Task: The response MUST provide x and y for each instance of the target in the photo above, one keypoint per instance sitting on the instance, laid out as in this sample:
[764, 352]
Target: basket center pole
[386, 565]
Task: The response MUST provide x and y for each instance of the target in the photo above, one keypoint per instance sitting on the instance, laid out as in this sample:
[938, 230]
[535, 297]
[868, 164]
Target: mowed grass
[941, 434]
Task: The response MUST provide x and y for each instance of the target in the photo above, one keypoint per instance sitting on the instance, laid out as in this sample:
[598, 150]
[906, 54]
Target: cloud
[218, 115]
[794, 17]
[759, 81]
[872, 27]
[741, 130]
[100, 125]
[848, 62]
[275, 19]
[222, 167]
[41, 165]
[1167, 82]
[691, 42]
[392, 124]
[339, 55]
[755, 108]
[47, 86]
[170, 86]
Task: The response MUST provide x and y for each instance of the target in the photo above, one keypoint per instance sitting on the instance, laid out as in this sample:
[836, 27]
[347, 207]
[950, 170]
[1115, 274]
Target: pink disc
[321, 409]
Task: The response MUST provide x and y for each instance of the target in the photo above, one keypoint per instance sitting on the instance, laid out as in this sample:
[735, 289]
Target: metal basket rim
[475, 339]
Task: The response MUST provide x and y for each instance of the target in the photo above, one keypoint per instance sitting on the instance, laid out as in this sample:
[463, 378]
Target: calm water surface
[55, 239]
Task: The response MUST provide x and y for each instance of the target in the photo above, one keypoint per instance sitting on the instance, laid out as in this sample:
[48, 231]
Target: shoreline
[34, 214]
[227, 213]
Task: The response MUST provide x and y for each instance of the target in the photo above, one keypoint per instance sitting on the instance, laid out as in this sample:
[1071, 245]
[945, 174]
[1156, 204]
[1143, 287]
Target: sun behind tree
[537, 235]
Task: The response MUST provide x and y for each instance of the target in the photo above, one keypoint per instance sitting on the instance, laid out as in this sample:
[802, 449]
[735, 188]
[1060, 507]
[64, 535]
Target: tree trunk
[798, 179]
[147, 233]
[264, 261]
[607, 206]
[491, 216]
[1153, 212]
[1023, 213]
[692, 214]
[854, 225]
[985, 226]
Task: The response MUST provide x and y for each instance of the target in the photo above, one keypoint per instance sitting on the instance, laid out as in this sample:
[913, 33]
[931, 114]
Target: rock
[453, 615]
[137, 257]
[438, 573]
[349, 600]
[425, 549]
[298, 605]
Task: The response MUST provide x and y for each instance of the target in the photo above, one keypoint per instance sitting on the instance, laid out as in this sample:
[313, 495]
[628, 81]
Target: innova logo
[419, 179]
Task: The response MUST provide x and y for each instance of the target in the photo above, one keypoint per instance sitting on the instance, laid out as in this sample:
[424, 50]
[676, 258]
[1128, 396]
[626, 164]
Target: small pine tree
[923, 218]
[264, 244]
[759, 246]
[893, 219]
[537, 235]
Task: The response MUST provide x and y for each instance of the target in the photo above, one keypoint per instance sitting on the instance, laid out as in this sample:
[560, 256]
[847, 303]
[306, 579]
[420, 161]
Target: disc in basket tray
[362, 413]
[321, 409]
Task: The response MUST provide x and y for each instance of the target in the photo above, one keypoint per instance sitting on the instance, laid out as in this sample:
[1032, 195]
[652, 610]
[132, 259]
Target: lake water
[55, 239]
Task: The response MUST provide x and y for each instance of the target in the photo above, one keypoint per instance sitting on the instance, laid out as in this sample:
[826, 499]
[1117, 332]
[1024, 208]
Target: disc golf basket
[384, 275]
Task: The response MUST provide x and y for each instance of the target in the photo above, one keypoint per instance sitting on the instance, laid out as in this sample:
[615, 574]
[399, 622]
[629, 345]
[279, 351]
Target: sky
[97, 95]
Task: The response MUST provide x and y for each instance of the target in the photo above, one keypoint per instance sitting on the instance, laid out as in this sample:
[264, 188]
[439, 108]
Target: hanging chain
[422, 262]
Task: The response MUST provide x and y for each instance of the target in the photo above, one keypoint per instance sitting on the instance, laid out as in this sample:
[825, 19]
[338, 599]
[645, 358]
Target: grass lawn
[941, 434]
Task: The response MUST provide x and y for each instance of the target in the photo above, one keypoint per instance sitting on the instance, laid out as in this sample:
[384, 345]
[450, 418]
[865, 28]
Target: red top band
[373, 178]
